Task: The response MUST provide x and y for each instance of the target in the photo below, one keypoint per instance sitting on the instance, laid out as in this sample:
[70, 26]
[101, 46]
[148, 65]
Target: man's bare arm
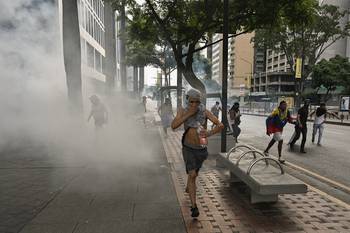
[182, 116]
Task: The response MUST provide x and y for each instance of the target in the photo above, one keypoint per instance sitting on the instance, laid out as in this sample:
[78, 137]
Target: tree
[72, 53]
[183, 24]
[307, 37]
[330, 74]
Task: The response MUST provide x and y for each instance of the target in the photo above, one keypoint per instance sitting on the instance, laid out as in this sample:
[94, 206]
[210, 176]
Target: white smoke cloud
[33, 98]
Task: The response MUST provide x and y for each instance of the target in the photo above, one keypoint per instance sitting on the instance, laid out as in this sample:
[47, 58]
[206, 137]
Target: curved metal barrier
[264, 158]
[234, 149]
[254, 152]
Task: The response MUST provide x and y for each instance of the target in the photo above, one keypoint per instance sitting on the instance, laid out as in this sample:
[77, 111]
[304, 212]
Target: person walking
[144, 102]
[166, 114]
[234, 118]
[320, 115]
[274, 125]
[215, 110]
[194, 140]
[301, 127]
[98, 112]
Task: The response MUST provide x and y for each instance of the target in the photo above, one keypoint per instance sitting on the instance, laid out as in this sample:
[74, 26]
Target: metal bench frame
[245, 176]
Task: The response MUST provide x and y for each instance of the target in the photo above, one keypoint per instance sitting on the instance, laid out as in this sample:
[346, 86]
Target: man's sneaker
[319, 144]
[303, 151]
[195, 212]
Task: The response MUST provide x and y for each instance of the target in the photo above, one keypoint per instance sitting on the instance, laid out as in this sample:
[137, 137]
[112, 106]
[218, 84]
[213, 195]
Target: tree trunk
[210, 55]
[179, 88]
[136, 81]
[141, 79]
[123, 48]
[110, 48]
[72, 53]
[187, 71]
[192, 79]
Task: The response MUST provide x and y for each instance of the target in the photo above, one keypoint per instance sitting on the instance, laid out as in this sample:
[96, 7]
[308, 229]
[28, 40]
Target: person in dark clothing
[234, 118]
[301, 127]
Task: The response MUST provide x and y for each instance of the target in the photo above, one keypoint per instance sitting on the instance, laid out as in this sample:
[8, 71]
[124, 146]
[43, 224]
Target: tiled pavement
[226, 208]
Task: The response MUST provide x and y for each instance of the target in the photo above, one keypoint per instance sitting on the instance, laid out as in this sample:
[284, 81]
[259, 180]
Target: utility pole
[224, 76]
[179, 82]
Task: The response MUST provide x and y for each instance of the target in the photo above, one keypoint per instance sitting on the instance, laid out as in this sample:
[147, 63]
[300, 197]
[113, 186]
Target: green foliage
[186, 23]
[305, 36]
[332, 73]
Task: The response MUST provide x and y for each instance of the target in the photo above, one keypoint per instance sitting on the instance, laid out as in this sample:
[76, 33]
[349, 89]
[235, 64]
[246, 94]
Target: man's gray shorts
[194, 158]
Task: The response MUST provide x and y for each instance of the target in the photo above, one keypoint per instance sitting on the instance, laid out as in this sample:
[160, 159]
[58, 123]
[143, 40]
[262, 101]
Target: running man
[301, 127]
[98, 112]
[274, 125]
[320, 115]
[194, 117]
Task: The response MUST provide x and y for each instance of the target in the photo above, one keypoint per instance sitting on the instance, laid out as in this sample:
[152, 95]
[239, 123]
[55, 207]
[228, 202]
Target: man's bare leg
[280, 143]
[269, 146]
[191, 186]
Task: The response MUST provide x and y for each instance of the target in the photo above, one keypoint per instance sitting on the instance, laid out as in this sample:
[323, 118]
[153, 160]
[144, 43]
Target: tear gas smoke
[34, 98]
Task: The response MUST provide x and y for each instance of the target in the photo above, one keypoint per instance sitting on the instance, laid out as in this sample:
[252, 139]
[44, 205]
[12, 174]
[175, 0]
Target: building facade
[240, 63]
[342, 46]
[92, 31]
[97, 40]
[272, 76]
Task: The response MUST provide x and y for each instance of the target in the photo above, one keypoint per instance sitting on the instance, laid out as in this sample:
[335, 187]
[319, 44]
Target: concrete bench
[253, 168]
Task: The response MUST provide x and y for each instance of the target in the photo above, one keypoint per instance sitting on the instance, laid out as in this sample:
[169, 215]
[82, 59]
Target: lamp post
[224, 76]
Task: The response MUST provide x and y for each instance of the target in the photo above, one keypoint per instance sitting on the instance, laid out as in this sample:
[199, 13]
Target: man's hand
[192, 111]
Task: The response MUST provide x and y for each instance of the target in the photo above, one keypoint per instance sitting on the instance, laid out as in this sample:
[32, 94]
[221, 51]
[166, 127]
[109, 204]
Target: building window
[98, 64]
[90, 55]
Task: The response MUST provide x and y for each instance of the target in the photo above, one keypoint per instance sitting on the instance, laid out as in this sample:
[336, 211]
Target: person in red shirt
[274, 125]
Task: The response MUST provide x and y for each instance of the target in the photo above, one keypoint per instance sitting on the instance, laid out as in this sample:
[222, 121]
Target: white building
[92, 31]
[97, 39]
[342, 46]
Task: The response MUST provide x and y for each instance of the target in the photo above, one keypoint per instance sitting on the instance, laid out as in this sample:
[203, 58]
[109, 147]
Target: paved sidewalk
[127, 191]
[226, 208]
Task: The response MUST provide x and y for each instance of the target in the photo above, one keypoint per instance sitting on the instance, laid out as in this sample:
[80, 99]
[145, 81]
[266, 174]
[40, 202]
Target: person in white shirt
[319, 122]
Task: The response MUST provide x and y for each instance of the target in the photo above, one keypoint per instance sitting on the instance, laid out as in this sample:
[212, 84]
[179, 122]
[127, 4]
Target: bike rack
[264, 158]
[234, 149]
[248, 152]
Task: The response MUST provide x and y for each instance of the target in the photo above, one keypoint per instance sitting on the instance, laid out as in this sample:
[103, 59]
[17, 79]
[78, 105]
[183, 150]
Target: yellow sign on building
[298, 64]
